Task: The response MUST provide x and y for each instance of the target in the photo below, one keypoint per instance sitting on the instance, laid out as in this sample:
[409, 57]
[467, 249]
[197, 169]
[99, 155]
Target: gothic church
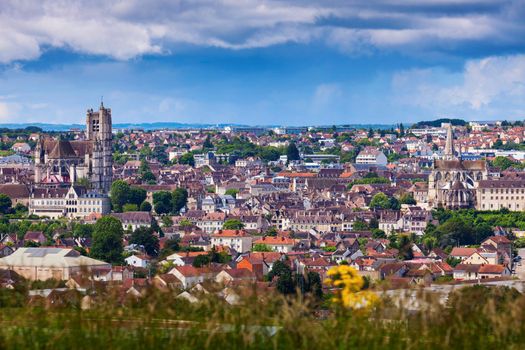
[59, 161]
[453, 182]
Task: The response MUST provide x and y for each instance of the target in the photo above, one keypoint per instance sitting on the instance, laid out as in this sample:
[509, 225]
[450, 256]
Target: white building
[73, 202]
[372, 156]
[45, 263]
[138, 260]
[238, 240]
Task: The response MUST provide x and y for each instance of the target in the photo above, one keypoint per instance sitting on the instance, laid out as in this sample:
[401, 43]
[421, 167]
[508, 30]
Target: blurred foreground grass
[474, 318]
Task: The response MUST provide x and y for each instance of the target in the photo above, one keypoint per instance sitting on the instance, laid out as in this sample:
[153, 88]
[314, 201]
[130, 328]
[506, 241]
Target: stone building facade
[59, 161]
[453, 182]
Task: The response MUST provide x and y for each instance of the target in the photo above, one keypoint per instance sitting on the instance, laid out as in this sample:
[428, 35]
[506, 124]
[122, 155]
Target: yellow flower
[349, 286]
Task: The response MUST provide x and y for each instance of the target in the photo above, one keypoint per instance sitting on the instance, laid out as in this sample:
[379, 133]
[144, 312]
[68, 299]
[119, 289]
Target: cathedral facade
[453, 182]
[59, 161]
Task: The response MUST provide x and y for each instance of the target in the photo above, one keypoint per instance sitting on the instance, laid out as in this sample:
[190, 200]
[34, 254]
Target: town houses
[193, 207]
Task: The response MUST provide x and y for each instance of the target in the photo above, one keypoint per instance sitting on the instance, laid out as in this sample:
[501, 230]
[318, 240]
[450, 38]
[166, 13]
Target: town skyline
[262, 174]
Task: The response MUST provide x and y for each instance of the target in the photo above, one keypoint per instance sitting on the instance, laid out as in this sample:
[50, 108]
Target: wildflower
[349, 285]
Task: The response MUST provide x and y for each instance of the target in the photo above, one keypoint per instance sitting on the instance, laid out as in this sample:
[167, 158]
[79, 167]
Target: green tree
[453, 261]
[144, 167]
[136, 196]
[519, 243]
[502, 162]
[232, 192]
[82, 230]
[292, 152]
[160, 154]
[148, 176]
[119, 194]
[207, 143]
[201, 260]
[377, 233]
[170, 246]
[401, 130]
[145, 237]
[314, 284]
[233, 224]
[455, 231]
[167, 221]
[107, 240]
[278, 268]
[162, 202]
[285, 283]
[260, 247]
[179, 199]
[271, 231]
[219, 258]
[380, 201]
[269, 154]
[5, 203]
[145, 206]
[185, 223]
[394, 203]
[130, 207]
[187, 158]
[407, 198]
[360, 225]
[405, 248]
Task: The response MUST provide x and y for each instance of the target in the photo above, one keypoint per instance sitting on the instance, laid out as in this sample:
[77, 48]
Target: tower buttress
[449, 145]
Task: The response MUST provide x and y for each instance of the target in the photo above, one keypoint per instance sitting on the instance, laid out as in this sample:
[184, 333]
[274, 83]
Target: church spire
[449, 145]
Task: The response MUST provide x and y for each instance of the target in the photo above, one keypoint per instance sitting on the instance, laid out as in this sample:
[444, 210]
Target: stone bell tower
[99, 131]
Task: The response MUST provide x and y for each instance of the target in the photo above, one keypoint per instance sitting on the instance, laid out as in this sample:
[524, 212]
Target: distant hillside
[437, 123]
[145, 126]
[163, 125]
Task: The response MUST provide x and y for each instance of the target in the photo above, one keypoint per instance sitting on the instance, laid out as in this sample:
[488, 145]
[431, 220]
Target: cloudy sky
[289, 62]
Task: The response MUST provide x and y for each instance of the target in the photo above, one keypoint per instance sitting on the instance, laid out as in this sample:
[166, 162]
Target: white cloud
[326, 93]
[171, 106]
[8, 110]
[483, 86]
[128, 28]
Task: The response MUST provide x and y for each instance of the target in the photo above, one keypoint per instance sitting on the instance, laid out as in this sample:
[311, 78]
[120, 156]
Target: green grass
[475, 318]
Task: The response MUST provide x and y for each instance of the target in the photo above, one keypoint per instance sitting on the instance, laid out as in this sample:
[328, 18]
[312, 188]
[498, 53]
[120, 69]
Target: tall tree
[5, 203]
[162, 202]
[187, 158]
[145, 206]
[405, 248]
[401, 130]
[380, 201]
[283, 272]
[179, 199]
[107, 240]
[207, 143]
[145, 237]
[119, 194]
[292, 152]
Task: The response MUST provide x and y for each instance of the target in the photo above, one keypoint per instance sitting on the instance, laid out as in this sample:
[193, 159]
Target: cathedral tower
[99, 131]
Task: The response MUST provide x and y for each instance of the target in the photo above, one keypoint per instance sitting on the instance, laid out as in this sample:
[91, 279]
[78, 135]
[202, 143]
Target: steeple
[449, 145]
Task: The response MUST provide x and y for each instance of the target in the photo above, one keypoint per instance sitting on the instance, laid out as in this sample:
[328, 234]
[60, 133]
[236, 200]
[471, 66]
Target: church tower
[449, 145]
[99, 131]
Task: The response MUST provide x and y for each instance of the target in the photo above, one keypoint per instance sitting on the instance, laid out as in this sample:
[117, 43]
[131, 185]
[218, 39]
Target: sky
[289, 62]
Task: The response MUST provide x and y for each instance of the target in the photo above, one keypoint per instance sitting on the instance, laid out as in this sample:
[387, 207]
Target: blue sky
[289, 62]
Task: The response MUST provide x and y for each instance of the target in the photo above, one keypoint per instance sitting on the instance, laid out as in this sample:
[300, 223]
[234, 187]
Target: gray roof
[49, 257]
